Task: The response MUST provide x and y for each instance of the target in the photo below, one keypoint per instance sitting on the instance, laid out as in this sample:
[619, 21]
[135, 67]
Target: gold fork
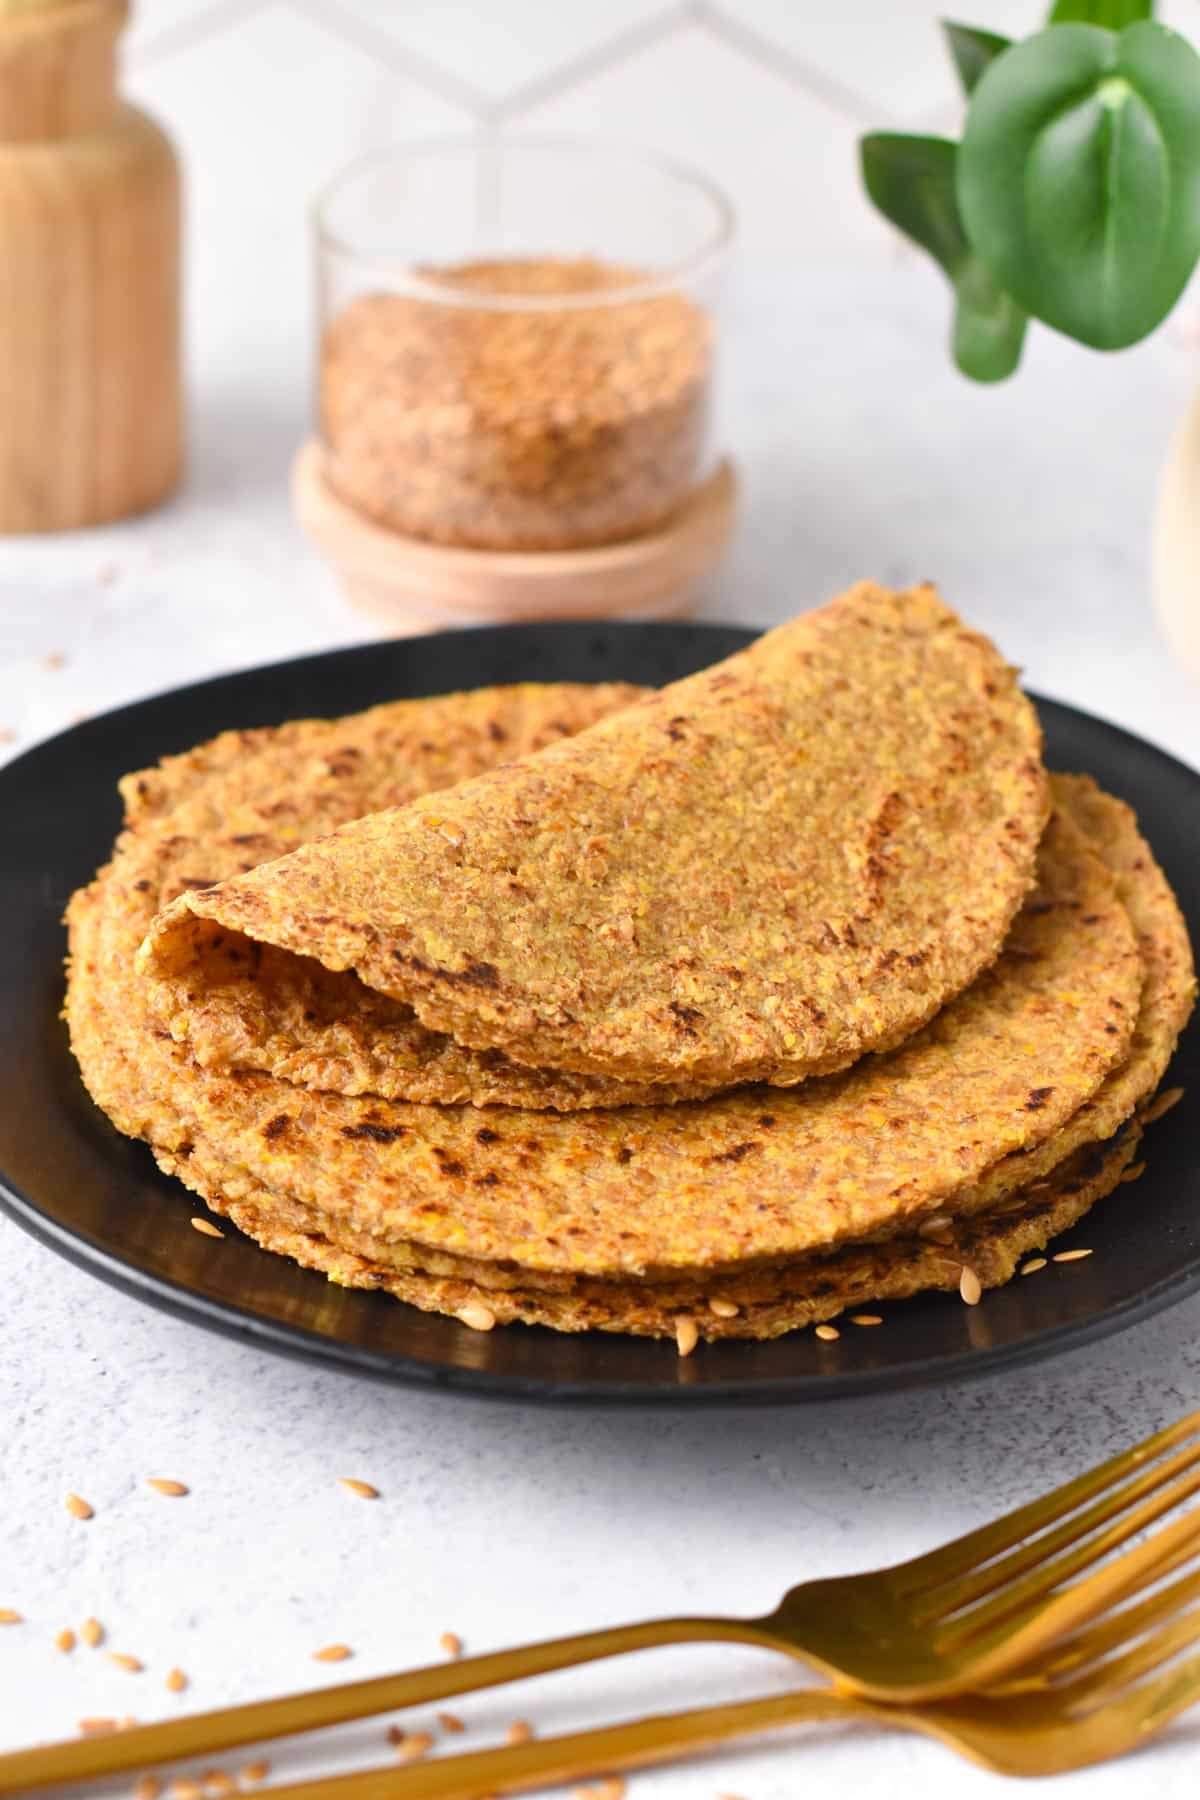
[1081, 1706]
[966, 1616]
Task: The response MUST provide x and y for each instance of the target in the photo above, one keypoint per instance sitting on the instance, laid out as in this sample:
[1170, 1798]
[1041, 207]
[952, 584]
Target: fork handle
[198, 1734]
[606, 1751]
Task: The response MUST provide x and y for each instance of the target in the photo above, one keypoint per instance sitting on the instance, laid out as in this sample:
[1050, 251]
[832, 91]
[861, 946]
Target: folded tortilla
[756, 875]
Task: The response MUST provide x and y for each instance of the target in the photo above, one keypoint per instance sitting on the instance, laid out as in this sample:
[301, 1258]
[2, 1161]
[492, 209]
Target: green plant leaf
[1078, 178]
[989, 326]
[1115, 14]
[972, 50]
[911, 180]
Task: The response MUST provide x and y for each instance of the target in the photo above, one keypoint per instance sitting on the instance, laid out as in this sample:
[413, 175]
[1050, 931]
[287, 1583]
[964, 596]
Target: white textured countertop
[862, 454]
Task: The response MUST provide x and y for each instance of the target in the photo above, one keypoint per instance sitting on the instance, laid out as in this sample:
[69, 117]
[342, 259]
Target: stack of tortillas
[708, 1012]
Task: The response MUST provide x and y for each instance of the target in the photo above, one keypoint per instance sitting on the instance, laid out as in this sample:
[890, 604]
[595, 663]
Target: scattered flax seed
[477, 1316]
[149, 1787]
[65, 1641]
[865, 1319]
[611, 1788]
[1035, 1263]
[1162, 1104]
[723, 1309]
[97, 1727]
[414, 1745]
[174, 1490]
[451, 1722]
[687, 1335]
[9, 1617]
[79, 1509]
[54, 659]
[92, 1633]
[176, 1681]
[207, 1227]
[1134, 1172]
[828, 1334]
[363, 1489]
[216, 1781]
[255, 1771]
[452, 1644]
[333, 1653]
[1070, 1255]
[132, 1664]
[970, 1287]
[519, 1732]
[184, 1789]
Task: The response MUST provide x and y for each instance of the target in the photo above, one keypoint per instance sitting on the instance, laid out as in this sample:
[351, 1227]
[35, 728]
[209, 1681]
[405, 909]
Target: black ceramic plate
[69, 1178]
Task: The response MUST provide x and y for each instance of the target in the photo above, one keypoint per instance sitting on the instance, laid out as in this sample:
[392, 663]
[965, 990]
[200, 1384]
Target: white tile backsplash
[501, 48]
[786, 157]
[269, 97]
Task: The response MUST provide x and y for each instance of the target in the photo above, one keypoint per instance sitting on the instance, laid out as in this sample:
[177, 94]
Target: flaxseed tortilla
[247, 797]
[962, 1117]
[767, 1303]
[758, 874]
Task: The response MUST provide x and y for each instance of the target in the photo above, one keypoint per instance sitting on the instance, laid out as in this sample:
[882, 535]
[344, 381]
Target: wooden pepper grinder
[90, 405]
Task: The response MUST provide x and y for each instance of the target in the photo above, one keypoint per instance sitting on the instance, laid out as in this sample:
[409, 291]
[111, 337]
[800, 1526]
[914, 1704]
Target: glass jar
[517, 341]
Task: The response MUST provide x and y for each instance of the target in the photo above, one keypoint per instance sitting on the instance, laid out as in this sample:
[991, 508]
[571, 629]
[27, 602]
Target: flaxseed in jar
[545, 403]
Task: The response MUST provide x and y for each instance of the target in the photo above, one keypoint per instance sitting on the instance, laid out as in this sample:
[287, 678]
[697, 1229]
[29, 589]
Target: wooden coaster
[409, 586]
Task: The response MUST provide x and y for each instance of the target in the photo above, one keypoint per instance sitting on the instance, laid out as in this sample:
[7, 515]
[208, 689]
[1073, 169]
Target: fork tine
[1037, 1554]
[964, 1553]
[1005, 1649]
[1109, 1678]
[1095, 1641]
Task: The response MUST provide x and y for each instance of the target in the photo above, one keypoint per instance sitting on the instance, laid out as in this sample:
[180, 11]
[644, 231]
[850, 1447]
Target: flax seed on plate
[476, 1316]
[363, 1489]
[176, 1681]
[255, 1771]
[333, 1653]
[207, 1228]
[92, 1633]
[1033, 1265]
[9, 1617]
[65, 1641]
[865, 1319]
[1070, 1255]
[519, 1732]
[133, 1665]
[79, 1508]
[828, 1334]
[687, 1335]
[174, 1490]
[451, 1643]
[450, 1722]
[970, 1286]
[149, 1787]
